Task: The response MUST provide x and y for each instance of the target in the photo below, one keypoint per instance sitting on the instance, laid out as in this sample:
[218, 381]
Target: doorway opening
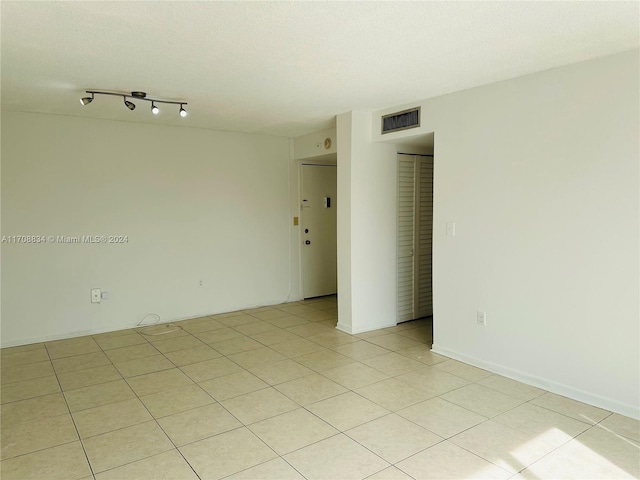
[318, 230]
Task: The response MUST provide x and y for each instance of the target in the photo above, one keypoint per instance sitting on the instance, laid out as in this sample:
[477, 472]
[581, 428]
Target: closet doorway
[414, 236]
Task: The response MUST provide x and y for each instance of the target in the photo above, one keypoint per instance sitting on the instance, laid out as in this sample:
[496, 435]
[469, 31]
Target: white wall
[195, 205]
[366, 227]
[541, 176]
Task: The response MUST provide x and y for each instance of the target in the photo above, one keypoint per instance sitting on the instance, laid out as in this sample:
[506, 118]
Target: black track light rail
[135, 96]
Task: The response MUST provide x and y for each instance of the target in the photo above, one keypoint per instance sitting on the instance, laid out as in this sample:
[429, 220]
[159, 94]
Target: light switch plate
[96, 295]
[451, 229]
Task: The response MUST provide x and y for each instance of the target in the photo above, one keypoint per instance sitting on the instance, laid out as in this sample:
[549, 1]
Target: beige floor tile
[333, 338]
[125, 445]
[64, 462]
[120, 341]
[482, 400]
[423, 354]
[37, 387]
[96, 395]
[236, 345]
[310, 389]
[176, 400]
[280, 372]
[391, 473]
[292, 430]
[10, 351]
[23, 356]
[134, 352]
[434, 381]
[141, 366]
[166, 466]
[20, 373]
[202, 422]
[393, 364]
[393, 438]
[114, 333]
[359, 350]
[218, 367]
[468, 372]
[259, 356]
[511, 387]
[510, 449]
[446, 461]
[296, 309]
[393, 394]
[621, 425]
[551, 427]
[229, 386]
[237, 320]
[80, 362]
[179, 343]
[441, 417]
[32, 409]
[181, 358]
[71, 347]
[355, 375]
[201, 326]
[595, 454]
[268, 314]
[255, 328]
[394, 342]
[218, 335]
[106, 418]
[259, 405]
[323, 360]
[318, 316]
[90, 376]
[226, 454]
[421, 335]
[275, 336]
[297, 347]
[273, 469]
[347, 410]
[308, 329]
[159, 381]
[164, 331]
[572, 408]
[337, 457]
[37, 435]
[288, 321]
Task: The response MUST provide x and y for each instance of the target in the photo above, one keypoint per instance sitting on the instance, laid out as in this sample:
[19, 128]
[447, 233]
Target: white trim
[609, 404]
[343, 328]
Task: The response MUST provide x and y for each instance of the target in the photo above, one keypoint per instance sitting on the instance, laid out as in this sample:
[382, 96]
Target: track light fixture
[86, 100]
[135, 96]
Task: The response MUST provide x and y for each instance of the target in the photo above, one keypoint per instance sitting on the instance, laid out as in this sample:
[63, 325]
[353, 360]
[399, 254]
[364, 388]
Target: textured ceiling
[287, 68]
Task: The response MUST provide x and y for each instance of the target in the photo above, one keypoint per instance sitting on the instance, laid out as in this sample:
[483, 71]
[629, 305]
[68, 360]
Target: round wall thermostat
[327, 143]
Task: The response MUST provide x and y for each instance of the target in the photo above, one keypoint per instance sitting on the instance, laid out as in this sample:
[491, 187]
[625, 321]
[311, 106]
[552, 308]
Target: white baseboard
[347, 329]
[596, 400]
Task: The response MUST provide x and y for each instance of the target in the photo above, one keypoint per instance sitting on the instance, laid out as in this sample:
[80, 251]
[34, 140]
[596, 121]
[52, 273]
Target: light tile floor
[278, 393]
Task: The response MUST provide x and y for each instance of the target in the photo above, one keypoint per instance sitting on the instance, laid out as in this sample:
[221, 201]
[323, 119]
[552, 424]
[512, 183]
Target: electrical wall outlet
[482, 318]
[200, 283]
[451, 229]
[96, 295]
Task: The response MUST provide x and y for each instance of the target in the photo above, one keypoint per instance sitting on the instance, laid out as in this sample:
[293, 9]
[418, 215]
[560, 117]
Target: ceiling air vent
[401, 120]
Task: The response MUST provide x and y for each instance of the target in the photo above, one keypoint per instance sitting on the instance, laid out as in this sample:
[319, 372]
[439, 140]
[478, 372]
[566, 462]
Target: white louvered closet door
[415, 230]
[424, 237]
[406, 236]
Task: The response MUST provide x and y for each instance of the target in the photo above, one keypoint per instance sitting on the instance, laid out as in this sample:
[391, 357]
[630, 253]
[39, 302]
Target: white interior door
[415, 231]
[406, 234]
[319, 242]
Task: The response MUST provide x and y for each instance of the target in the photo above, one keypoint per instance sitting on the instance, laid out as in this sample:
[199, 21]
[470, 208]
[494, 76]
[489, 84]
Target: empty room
[320, 240]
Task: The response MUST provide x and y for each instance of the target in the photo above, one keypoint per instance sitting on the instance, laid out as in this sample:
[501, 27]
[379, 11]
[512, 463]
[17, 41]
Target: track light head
[86, 100]
[155, 110]
[183, 112]
[130, 106]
